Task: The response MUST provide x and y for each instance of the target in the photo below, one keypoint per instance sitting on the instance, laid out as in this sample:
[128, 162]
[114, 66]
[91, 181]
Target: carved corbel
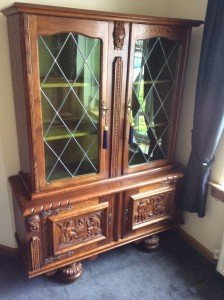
[33, 223]
[119, 35]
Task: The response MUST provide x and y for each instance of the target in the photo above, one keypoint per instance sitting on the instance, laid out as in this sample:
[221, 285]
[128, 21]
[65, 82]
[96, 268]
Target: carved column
[33, 224]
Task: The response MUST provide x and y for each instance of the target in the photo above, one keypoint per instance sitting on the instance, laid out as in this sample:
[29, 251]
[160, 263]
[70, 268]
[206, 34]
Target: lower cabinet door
[148, 210]
[81, 228]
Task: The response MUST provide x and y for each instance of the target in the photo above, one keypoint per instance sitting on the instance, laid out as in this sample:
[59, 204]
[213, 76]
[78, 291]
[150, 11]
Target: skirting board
[195, 244]
[9, 251]
[220, 265]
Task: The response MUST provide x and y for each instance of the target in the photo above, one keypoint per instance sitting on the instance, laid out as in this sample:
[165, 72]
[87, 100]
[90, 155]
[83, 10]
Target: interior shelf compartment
[61, 82]
[150, 82]
[60, 132]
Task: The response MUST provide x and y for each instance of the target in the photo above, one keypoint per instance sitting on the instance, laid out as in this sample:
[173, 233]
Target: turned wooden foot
[94, 257]
[50, 273]
[71, 273]
[150, 243]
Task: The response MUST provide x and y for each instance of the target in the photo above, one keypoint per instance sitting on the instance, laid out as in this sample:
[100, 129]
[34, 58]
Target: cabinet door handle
[131, 123]
[105, 128]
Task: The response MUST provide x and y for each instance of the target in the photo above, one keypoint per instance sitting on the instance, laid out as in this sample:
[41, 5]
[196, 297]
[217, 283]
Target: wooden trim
[94, 15]
[217, 190]
[196, 245]
[8, 251]
[118, 72]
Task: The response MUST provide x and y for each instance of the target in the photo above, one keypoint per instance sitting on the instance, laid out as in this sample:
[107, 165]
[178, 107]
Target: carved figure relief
[34, 223]
[153, 206]
[119, 35]
[79, 229]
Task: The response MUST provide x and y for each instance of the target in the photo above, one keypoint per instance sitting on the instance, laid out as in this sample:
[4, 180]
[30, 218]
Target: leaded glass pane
[70, 87]
[153, 84]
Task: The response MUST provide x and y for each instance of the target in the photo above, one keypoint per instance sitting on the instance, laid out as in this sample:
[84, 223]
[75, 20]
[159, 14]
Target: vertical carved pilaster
[33, 225]
[119, 35]
[35, 252]
[118, 70]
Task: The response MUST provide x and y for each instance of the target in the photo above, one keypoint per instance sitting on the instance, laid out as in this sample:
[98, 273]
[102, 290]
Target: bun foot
[150, 243]
[94, 257]
[50, 273]
[70, 273]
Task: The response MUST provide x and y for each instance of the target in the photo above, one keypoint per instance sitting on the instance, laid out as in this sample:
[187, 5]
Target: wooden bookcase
[97, 99]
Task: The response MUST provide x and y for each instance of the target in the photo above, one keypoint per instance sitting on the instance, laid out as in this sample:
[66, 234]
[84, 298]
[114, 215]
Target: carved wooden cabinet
[97, 99]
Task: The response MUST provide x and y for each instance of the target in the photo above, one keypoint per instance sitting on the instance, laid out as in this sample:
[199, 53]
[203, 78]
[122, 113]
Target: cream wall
[9, 161]
[209, 230]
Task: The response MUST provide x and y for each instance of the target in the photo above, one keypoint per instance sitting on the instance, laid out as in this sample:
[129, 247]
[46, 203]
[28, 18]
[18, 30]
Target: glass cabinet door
[151, 98]
[70, 83]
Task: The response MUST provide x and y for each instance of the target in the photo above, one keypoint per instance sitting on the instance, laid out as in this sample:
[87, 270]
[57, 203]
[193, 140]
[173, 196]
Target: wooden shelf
[150, 82]
[61, 173]
[152, 126]
[60, 132]
[59, 82]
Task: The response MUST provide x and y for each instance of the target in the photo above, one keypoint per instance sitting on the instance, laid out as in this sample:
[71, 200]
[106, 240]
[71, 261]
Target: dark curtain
[209, 110]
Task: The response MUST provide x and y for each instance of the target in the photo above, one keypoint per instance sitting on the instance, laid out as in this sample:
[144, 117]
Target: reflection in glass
[152, 94]
[69, 75]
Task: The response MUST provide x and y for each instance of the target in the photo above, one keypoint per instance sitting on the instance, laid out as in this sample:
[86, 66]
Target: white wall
[9, 160]
[209, 230]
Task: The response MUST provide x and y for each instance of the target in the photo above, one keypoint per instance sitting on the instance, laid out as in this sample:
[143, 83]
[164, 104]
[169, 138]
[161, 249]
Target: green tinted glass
[70, 82]
[153, 85]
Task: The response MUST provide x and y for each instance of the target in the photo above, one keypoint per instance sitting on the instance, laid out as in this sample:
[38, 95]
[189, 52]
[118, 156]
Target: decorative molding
[33, 223]
[119, 35]
[56, 211]
[118, 70]
[174, 33]
[57, 257]
[48, 208]
[195, 244]
[35, 253]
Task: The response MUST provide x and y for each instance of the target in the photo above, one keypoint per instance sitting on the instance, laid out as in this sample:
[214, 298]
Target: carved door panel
[148, 210]
[81, 228]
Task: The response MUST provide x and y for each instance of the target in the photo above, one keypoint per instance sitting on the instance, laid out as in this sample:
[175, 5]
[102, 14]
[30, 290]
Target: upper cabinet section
[97, 94]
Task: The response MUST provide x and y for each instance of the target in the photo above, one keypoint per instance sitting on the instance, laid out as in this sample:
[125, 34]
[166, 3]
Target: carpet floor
[174, 271]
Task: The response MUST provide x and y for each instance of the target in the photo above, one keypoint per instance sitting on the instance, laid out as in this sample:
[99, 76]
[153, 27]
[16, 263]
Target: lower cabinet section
[71, 230]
